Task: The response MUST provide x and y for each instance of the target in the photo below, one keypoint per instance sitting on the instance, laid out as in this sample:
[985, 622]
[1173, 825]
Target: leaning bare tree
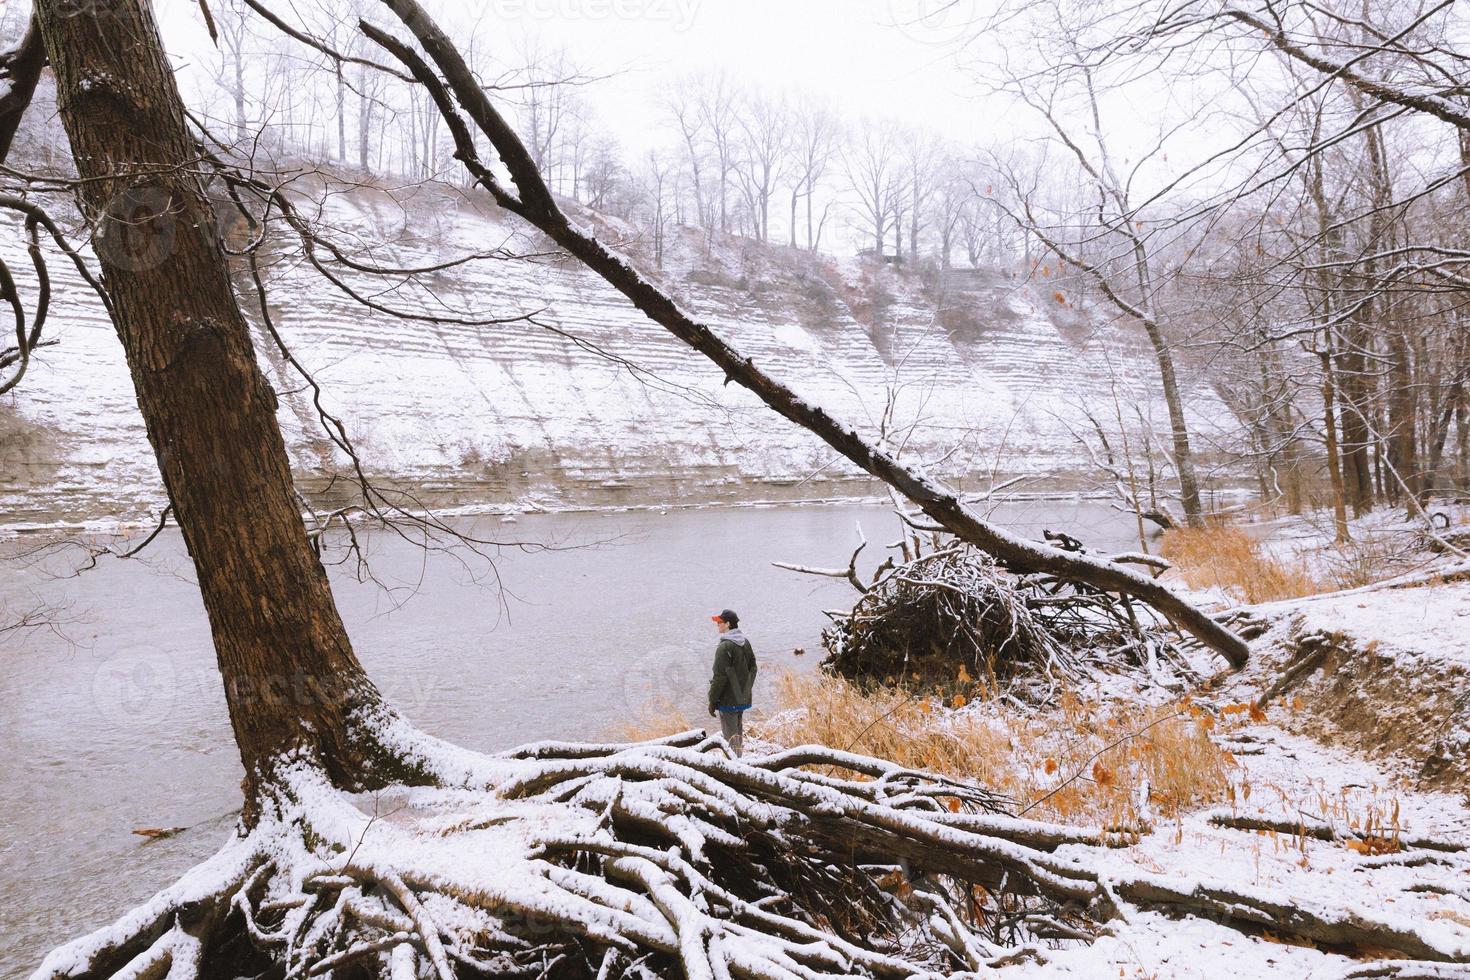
[1110, 224]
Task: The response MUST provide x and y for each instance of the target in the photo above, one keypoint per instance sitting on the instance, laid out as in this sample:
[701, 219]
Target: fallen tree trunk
[1320, 830]
[537, 205]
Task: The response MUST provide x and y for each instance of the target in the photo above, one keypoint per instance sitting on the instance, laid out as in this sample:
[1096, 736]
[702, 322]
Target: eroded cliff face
[588, 402]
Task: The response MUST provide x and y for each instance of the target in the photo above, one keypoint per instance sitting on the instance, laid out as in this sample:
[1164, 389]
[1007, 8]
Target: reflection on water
[122, 725]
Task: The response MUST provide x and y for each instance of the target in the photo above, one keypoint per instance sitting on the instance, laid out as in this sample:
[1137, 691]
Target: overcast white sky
[866, 56]
[879, 57]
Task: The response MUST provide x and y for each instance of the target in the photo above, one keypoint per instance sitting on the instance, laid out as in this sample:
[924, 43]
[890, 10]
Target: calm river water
[117, 721]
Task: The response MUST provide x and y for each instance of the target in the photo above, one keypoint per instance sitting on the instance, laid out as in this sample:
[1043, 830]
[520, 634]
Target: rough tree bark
[292, 682]
[1355, 386]
[1329, 427]
[536, 204]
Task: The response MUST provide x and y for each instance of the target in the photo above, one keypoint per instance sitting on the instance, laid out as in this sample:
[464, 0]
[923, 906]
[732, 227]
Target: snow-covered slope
[552, 410]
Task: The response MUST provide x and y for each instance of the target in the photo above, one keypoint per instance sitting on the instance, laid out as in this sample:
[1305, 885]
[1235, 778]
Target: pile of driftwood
[956, 615]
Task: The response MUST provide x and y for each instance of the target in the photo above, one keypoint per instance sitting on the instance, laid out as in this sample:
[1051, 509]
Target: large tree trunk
[1403, 434]
[341, 116]
[810, 241]
[291, 680]
[1329, 427]
[1437, 438]
[364, 120]
[1355, 387]
[242, 130]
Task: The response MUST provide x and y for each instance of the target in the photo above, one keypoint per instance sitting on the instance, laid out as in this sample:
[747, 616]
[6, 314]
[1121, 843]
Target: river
[115, 720]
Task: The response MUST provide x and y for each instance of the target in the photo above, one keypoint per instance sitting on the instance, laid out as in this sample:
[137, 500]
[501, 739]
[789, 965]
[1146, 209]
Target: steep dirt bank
[1385, 673]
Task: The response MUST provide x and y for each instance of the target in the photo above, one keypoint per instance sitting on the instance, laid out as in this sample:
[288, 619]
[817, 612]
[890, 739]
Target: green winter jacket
[734, 674]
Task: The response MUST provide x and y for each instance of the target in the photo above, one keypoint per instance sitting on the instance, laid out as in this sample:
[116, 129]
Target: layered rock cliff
[588, 402]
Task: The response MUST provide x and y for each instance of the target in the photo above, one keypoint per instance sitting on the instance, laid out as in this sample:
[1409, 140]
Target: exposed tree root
[1310, 650]
[656, 859]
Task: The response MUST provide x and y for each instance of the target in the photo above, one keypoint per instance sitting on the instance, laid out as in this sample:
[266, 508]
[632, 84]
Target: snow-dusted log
[1316, 829]
[1409, 970]
[534, 201]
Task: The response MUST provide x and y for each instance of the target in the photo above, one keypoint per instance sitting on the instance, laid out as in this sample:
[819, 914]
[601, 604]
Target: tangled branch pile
[657, 859]
[1025, 636]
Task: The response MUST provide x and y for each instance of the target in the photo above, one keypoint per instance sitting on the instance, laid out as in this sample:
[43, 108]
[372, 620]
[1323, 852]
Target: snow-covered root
[162, 936]
[655, 859]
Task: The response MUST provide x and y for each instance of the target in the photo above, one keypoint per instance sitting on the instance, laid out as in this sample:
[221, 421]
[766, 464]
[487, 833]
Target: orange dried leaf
[159, 833]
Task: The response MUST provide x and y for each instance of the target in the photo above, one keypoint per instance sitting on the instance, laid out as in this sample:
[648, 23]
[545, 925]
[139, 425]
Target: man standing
[734, 679]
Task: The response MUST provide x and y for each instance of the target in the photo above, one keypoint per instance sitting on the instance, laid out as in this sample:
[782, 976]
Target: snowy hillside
[517, 412]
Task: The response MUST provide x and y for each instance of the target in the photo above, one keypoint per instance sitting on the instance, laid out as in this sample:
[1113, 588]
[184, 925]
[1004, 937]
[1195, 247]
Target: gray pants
[732, 726]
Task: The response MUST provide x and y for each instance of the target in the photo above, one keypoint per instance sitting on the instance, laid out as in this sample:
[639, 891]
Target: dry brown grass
[1083, 762]
[656, 719]
[1226, 557]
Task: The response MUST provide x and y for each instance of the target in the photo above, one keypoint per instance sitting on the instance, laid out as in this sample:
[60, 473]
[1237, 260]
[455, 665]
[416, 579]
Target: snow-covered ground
[1372, 741]
[1292, 780]
[1373, 745]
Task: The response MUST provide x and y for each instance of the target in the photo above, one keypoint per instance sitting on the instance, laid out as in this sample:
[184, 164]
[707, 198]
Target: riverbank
[465, 501]
[481, 500]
